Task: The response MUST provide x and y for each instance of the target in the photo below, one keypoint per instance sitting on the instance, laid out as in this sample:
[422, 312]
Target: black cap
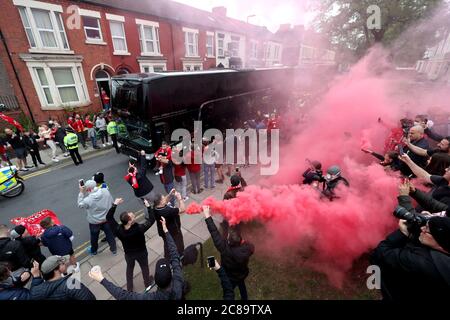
[440, 230]
[163, 273]
[20, 229]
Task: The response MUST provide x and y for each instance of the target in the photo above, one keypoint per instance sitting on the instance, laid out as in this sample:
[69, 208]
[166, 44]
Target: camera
[414, 220]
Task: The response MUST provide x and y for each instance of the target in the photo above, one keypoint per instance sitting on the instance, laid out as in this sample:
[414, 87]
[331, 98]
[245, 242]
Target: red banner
[31, 223]
[11, 121]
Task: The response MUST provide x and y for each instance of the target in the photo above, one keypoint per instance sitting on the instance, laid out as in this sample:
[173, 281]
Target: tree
[345, 21]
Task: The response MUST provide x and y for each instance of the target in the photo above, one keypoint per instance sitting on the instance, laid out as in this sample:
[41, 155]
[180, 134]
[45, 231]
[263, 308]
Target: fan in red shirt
[273, 122]
[396, 134]
[78, 126]
[194, 168]
[89, 124]
[164, 151]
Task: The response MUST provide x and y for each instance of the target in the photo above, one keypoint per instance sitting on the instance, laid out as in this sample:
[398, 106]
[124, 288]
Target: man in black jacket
[138, 180]
[55, 286]
[235, 254]
[32, 146]
[409, 270]
[170, 282]
[31, 244]
[172, 217]
[227, 287]
[132, 236]
[12, 251]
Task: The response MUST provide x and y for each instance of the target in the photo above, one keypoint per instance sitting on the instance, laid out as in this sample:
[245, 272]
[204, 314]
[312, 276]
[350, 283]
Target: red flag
[11, 121]
[31, 223]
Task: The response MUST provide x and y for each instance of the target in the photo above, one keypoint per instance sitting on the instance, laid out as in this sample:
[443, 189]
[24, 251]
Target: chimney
[285, 27]
[219, 11]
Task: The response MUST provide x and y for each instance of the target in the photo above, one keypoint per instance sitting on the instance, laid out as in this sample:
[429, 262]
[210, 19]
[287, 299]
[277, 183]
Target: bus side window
[162, 133]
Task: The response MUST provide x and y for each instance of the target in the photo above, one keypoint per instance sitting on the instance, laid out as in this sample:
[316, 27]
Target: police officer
[112, 132]
[71, 143]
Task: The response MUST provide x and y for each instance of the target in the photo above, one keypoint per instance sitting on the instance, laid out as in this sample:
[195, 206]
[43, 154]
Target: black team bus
[151, 105]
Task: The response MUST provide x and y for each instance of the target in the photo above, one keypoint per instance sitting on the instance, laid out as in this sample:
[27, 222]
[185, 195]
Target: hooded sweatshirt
[57, 239]
[8, 291]
[96, 203]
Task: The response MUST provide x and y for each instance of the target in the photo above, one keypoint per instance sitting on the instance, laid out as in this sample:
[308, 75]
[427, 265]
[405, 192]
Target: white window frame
[152, 65]
[193, 65]
[155, 34]
[121, 20]
[220, 37]
[194, 33]
[79, 79]
[237, 50]
[253, 49]
[96, 15]
[54, 12]
[211, 47]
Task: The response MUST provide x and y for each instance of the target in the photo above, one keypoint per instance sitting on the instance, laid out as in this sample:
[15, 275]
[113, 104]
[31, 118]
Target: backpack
[190, 254]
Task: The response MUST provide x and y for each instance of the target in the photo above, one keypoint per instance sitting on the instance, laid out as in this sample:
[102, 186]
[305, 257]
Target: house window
[191, 42]
[210, 45]
[276, 52]
[234, 46]
[59, 84]
[150, 67]
[43, 25]
[149, 40]
[254, 50]
[92, 29]
[118, 37]
[192, 66]
[220, 44]
[44, 85]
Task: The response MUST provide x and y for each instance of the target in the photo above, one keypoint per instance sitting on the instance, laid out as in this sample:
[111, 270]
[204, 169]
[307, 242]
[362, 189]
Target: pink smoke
[340, 231]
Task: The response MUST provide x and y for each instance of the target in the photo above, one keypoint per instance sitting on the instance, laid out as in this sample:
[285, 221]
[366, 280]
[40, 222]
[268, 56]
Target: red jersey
[273, 124]
[179, 170]
[168, 151]
[394, 138]
[194, 168]
[105, 98]
[78, 126]
[70, 123]
[88, 123]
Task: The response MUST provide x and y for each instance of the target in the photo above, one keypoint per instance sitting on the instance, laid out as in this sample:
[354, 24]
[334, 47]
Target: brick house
[56, 55]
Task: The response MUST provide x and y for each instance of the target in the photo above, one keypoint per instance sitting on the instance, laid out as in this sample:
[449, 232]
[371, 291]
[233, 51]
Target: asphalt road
[57, 189]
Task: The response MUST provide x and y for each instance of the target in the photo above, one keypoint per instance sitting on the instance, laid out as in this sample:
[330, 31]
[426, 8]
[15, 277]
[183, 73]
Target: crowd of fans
[51, 135]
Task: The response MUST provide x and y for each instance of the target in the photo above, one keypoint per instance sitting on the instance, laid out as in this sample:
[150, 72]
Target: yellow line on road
[81, 248]
[38, 173]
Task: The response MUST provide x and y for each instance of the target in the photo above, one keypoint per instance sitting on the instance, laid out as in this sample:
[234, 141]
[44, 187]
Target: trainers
[88, 250]
[157, 173]
[28, 167]
[55, 160]
[66, 155]
[24, 169]
[103, 145]
[42, 164]
[114, 253]
[186, 198]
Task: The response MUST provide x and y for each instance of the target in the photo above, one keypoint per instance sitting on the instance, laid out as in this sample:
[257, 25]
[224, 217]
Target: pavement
[194, 230]
[49, 187]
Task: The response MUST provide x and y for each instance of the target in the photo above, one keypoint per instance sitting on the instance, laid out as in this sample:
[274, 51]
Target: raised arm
[418, 171]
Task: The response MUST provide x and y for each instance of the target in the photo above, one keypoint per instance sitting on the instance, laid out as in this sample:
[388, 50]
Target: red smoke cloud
[339, 231]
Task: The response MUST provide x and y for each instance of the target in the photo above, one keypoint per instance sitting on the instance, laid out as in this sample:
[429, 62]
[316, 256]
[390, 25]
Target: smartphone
[81, 181]
[211, 261]
[400, 150]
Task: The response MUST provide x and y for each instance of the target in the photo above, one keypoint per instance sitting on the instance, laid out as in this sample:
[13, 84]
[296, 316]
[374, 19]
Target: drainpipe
[173, 47]
[17, 77]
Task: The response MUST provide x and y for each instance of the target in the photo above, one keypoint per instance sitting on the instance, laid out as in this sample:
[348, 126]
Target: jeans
[181, 186]
[208, 172]
[142, 259]
[95, 231]
[195, 180]
[169, 186]
[242, 288]
[81, 139]
[52, 146]
[93, 137]
[103, 136]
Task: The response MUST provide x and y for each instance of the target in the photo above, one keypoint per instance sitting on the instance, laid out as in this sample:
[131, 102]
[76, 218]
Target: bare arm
[417, 150]
[418, 171]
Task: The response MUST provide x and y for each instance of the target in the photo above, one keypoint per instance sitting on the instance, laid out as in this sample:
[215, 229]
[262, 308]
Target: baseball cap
[17, 231]
[163, 273]
[52, 262]
[440, 230]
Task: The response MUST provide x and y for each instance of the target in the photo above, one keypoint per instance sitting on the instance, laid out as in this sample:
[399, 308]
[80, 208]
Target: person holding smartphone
[227, 287]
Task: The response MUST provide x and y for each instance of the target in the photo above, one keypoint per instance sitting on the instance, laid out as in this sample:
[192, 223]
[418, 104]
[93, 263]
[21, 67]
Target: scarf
[134, 182]
[234, 188]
